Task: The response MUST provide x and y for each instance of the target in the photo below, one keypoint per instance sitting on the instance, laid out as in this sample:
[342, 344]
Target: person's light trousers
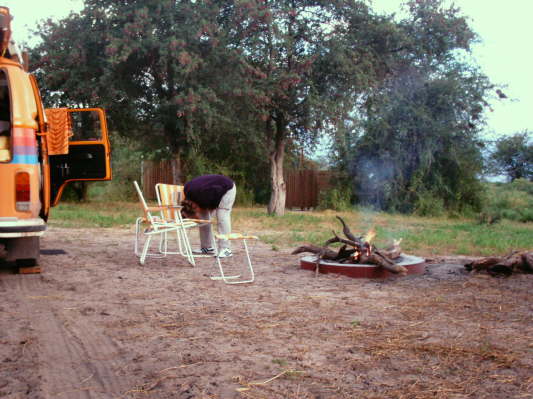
[223, 214]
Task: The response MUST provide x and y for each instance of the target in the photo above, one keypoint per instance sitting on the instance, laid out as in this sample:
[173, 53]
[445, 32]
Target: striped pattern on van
[24, 146]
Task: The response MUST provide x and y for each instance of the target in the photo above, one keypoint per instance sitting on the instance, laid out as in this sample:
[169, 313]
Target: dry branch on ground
[515, 262]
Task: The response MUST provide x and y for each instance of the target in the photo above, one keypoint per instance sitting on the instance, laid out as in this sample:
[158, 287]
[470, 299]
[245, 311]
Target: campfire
[356, 250]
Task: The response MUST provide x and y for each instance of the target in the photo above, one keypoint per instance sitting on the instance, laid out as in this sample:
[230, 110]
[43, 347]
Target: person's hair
[188, 208]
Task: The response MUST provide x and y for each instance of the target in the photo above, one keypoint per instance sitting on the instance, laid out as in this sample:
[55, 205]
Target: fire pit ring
[413, 264]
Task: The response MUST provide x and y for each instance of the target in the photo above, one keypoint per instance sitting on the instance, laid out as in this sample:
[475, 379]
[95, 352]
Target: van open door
[78, 147]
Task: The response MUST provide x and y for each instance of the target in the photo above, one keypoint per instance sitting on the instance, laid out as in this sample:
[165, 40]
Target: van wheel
[25, 251]
[27, 262]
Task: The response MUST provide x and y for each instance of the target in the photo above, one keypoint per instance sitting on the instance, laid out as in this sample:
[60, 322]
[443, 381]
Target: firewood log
[482, 264]
[394, 251]
[379, 259]
[506, 265]
[527, 259]
[327, 253]
[336, 238]
[341, 256]
[346, 230]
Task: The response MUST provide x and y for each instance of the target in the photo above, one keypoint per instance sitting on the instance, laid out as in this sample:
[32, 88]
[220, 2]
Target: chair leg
[145, 249]
[163, 244]
[138, 224]
[138, 233]
[185, 246]
[231, 279]
[250, 267]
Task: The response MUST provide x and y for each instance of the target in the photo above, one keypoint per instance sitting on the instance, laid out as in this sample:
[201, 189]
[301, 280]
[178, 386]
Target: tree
[302, 62]
[235, 81]
[420, 136]
[513, 156]
[165, 76]
[142, 60]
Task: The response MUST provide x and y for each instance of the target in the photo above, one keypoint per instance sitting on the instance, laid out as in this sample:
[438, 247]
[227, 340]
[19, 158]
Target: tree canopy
[242, 84]
[513, 156]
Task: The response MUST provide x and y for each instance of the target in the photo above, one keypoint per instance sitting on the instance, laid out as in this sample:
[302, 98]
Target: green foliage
[232, 87]
[522, 185]
[513, 156]
[126, 158]
[141, 61]
[196, 164]
[429, 204]
[420, 140]
[245, 197]
[336, 199]
[512, 201]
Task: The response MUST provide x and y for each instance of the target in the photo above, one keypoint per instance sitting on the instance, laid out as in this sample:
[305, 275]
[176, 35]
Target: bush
[245, 197]
[197, 165]
[126, 158]
[335, 199]
[512, 201]
[428, 204]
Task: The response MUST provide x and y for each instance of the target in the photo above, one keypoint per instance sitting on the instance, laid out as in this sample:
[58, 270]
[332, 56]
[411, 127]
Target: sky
[504, 53]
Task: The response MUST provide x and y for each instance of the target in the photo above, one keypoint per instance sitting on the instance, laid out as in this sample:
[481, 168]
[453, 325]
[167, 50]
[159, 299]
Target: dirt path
[96, 324]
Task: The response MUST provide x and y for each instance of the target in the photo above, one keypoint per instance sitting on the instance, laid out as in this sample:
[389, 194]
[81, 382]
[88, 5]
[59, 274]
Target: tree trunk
[176, 169]
[80, 188]
[278, 196]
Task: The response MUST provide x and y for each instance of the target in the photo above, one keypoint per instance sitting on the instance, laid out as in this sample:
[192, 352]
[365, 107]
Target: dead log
[325, 253]
[516, 262]
[482, 264]
[394, 251]
[341, 256]
[356, 244]
[347, 231]
[527, 259]
[379, 259]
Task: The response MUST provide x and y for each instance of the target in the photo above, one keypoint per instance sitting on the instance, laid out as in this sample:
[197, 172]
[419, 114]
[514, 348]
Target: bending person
[205, 196]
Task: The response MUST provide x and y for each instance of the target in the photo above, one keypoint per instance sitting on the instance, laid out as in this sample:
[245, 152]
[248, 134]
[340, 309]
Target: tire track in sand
[75, 359]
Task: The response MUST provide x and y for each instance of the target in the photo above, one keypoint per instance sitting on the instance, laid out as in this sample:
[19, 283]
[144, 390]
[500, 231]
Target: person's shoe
[204, 251]
[225, 253]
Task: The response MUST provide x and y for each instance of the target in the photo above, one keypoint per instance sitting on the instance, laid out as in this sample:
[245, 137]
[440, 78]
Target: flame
[370, 235]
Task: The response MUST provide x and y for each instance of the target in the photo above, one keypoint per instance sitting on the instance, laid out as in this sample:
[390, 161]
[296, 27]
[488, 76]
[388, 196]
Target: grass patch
[94, 214]
[421, 236]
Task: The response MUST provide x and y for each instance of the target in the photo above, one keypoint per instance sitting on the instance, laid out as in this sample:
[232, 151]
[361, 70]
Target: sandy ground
[96, 324]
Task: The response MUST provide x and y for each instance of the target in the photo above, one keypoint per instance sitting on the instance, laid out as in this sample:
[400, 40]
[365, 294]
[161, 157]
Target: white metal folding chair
[235, 279]
[169, 197]
[156, 226]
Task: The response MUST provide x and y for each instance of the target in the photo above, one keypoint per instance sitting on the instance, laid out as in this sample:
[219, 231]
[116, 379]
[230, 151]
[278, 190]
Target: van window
[86, 126]
[5, 119]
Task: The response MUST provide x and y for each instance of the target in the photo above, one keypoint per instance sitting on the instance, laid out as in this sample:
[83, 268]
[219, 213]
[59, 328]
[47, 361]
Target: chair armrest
[236, 236]
[199, 221]
[162, 208]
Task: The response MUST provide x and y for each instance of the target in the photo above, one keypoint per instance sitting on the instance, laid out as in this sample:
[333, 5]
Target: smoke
[373, 179]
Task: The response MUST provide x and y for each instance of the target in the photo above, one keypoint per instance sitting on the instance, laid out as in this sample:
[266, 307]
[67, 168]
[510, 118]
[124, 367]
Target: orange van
[40, 152]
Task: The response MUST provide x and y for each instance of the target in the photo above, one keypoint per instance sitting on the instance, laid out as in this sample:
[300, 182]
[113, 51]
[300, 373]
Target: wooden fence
[168, 172]
[303, 186]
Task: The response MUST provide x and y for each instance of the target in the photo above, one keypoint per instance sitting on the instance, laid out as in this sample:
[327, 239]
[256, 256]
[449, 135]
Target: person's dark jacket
[207, 190]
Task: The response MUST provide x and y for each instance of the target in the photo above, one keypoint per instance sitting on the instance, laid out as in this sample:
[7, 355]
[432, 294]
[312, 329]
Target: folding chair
[157, 226]
[233, 279]
[169, 197]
